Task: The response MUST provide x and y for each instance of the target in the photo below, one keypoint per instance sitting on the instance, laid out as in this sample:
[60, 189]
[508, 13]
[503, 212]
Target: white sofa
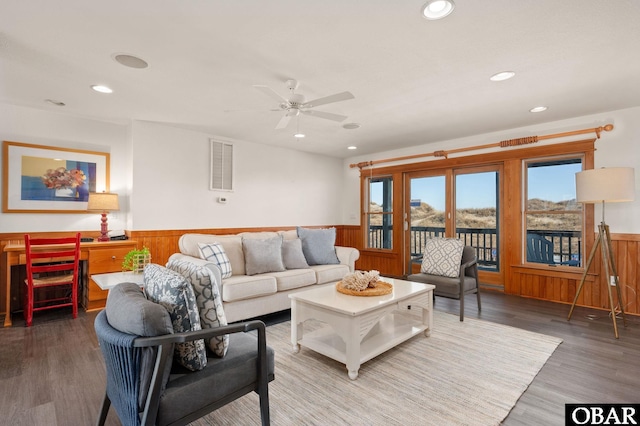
[248, 296]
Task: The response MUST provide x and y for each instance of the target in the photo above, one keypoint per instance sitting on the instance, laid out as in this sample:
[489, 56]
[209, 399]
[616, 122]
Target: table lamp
[605, 185]
[103, 202]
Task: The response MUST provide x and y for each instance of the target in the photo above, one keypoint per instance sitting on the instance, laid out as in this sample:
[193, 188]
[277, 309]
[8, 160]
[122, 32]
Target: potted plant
[136, 260]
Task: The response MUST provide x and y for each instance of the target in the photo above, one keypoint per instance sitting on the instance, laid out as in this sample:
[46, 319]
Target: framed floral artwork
[45, 179]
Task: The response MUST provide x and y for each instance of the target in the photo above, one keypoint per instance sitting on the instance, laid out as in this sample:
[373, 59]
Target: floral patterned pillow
[208, 300]
[173, 291]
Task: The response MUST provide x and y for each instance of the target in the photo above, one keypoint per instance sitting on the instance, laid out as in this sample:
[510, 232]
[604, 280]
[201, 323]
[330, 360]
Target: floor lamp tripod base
[604, 241]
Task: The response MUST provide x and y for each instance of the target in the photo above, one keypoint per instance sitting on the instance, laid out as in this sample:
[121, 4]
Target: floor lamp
[606, 185]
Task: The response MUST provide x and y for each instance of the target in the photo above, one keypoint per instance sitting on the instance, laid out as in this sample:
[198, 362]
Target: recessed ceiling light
[538, 109]
[299, 135]
[101, 89]
[352, 147]
[351, 126]
[54, 102]
[130, 61]
[437, 9]
[502, 76]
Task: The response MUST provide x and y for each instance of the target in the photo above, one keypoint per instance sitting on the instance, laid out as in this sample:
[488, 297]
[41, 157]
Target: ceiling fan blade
[252, 110]
[327, 115]
[270, 92]
[329, 99]
[284, 122]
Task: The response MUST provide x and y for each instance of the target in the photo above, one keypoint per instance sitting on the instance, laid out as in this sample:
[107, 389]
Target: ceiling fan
[296, 104]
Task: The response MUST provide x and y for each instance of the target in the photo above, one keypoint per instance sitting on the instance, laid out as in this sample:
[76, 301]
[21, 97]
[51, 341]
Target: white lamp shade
[611, 185]
[103, 202]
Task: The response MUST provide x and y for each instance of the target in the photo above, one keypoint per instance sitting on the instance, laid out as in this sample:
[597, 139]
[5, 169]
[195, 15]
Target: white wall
[32, 126]
[618, 148]
[272, 186]
[170, 168]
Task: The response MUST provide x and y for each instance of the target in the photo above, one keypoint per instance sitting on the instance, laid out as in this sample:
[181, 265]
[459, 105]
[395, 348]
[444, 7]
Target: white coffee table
[361, 327]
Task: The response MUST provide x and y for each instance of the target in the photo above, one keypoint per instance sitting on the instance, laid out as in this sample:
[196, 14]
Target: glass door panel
[380, 213]
[426, 212]
[476, 215]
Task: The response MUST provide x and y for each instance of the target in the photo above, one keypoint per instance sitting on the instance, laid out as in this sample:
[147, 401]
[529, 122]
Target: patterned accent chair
[464, 282]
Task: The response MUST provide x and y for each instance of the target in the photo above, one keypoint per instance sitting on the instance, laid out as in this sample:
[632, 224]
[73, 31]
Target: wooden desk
[101, 257]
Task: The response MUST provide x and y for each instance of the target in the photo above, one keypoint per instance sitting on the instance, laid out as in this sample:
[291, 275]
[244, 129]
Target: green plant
[136, 260]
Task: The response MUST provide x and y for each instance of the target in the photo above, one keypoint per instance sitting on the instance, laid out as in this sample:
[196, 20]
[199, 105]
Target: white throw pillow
[442, 256]
[214, 252]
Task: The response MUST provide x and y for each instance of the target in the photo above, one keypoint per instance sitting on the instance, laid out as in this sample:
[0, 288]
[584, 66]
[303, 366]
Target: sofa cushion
[292, 255]
[262, 235]
[239, 287]
[173, 291]
[329, 273]
[442, 256]
[318, 245]
[290, 234]
[294, 278]
[188, 244]
[214, 252]
[262, 255]
[208, 300]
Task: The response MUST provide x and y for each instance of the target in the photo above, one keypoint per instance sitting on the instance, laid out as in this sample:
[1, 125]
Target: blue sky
[477, 190]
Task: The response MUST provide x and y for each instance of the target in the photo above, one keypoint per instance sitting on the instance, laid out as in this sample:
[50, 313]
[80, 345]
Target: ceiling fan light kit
[296, 103]
[101, 89]
[502, 76]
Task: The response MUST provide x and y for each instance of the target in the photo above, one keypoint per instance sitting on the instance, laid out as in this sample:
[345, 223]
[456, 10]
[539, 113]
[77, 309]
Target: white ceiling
[414, 81]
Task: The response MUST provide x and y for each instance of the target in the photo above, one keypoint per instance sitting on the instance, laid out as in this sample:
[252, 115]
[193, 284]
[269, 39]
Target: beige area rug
[465, 373]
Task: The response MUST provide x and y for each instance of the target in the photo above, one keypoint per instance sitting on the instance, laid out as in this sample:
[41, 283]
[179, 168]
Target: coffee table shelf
[392, 330]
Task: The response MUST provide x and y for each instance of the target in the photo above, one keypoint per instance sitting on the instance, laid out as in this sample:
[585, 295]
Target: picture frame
[46, 179]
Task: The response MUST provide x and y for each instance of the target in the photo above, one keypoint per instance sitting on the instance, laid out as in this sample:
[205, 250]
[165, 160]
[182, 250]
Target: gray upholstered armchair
[455, 288]
[146, 387]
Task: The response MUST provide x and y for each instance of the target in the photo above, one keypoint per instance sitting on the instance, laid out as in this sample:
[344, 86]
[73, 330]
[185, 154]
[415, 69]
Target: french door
[458, 203]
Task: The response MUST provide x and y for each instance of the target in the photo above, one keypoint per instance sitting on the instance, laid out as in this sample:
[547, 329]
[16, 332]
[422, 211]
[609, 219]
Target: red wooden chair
[51, 262]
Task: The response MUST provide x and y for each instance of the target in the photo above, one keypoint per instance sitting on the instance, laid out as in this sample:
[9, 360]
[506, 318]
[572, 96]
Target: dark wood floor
[52, 373]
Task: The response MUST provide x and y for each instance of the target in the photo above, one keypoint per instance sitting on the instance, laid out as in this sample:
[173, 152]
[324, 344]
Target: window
[553, 220]
[379, 213]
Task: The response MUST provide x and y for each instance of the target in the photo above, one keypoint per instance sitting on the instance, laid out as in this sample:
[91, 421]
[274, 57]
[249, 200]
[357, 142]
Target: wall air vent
[221, 166]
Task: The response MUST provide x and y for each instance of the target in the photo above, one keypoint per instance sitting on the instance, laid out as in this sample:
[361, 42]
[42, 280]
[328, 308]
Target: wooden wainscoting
[560, 285]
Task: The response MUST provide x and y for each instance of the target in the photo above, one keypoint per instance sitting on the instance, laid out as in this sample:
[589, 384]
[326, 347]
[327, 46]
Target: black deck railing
[567, 244]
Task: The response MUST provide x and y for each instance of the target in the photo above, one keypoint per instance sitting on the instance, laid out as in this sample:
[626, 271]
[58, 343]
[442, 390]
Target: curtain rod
[502, 144]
